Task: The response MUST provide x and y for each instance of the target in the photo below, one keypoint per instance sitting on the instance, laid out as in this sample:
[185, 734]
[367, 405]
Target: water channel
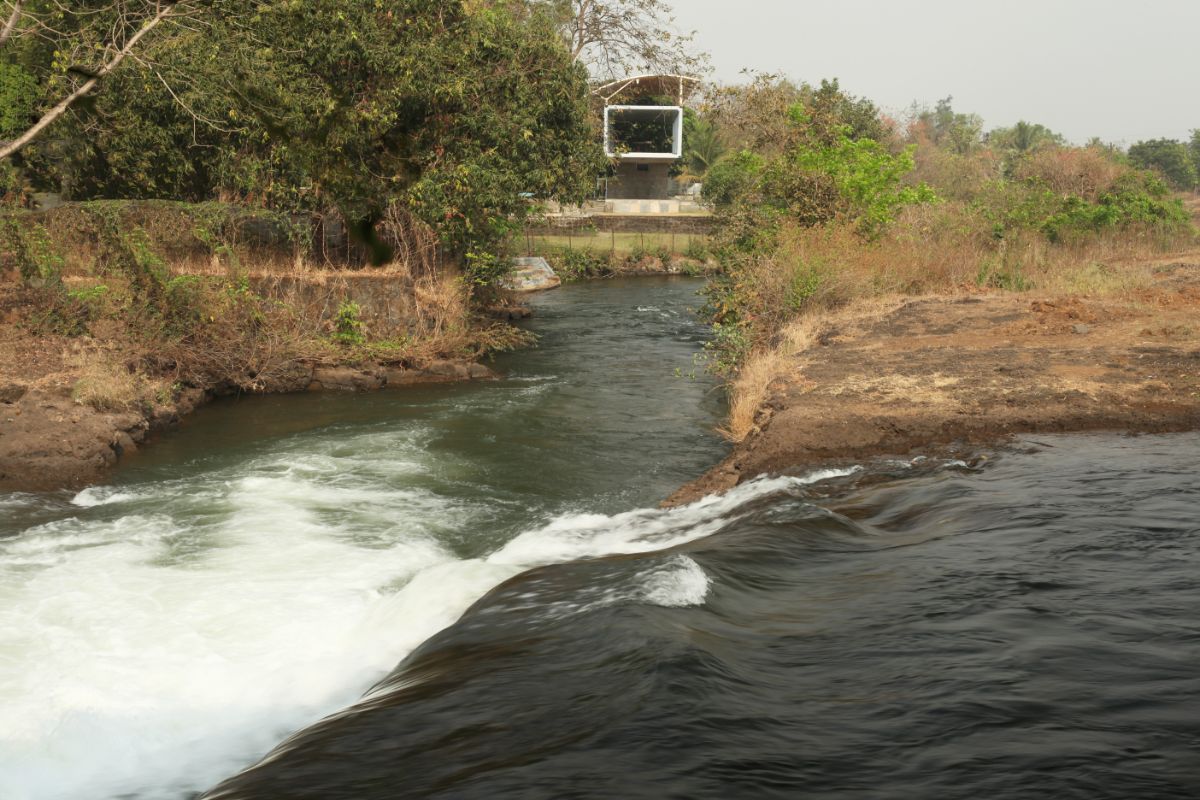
[469, 591]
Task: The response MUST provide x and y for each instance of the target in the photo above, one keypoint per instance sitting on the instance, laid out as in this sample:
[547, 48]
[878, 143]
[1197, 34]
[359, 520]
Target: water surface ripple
[474, 588]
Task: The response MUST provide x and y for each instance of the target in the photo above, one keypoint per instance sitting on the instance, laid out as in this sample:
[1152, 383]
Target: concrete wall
[634, 223]
[632, 182]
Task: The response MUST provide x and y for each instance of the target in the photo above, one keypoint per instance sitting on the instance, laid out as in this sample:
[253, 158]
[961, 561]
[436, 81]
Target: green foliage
[803, 285]
[19, 97]
[732, 177]
[89, 295]
[697, 250]
[828, 171]
[183, 304]
[347, 325]
[1134, 199]
[485, 267]
[573, 264]
[1173, 159]
[956, 132]
[999, 272]
[38, 261]
[455, 114]
[728, 348]
[867, 176]
[1194, 150]
[702, 145]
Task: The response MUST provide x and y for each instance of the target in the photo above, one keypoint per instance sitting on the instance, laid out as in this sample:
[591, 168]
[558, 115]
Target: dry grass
[104, 382]
[752, 385]
[750, 389]
[820, 279]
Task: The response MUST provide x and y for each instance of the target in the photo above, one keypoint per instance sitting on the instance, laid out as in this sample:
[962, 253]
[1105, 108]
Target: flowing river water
[469, 592]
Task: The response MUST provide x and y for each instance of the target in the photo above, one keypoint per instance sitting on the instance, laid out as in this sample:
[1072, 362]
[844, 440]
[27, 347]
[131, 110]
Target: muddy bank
[942, 376]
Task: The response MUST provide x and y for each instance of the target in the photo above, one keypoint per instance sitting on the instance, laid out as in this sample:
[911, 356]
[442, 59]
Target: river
[468, 591]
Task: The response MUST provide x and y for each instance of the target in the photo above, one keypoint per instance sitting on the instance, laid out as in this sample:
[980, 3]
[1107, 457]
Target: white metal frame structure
[676, 126]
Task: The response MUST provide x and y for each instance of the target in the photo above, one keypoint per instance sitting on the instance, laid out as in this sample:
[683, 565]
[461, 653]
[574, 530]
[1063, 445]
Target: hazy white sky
[1123, 70]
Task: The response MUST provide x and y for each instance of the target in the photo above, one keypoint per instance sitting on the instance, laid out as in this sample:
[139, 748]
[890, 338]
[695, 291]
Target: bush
[732, 177]
[347, 325]
[574, 264]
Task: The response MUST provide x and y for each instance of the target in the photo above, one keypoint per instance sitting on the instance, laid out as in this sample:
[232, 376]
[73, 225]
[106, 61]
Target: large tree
[1024, 137]
[453, 113]
[1170, 157]
[1194, 148]
[619, 38]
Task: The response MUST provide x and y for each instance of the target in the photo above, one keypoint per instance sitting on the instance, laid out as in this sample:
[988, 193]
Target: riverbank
[71, 406]
[942, 375]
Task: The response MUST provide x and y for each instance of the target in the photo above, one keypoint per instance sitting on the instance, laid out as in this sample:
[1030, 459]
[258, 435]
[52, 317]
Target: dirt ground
[941, 376]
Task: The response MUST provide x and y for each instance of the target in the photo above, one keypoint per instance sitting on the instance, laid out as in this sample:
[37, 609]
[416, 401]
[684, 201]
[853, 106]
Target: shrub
[347, 325]
[732, 177]
[576, 264]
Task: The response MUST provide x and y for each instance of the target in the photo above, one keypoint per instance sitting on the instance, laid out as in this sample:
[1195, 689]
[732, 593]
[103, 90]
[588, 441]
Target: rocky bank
[942, 376]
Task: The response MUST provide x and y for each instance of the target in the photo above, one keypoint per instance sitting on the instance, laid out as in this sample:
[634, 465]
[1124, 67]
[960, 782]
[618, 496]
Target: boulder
[530, 275]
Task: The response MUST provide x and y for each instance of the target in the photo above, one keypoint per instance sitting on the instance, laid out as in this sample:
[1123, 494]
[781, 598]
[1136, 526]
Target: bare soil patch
[941, 375]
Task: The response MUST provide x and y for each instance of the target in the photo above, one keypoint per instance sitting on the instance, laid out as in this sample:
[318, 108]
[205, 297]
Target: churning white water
[153, 641]
[264, 568]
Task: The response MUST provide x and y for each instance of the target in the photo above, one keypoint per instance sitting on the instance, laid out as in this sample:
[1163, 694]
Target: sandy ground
[942, 376]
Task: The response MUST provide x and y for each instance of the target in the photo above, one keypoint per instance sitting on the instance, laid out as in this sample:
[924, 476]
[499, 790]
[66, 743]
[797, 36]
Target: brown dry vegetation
[104, 337]
[943, 373]
[921, 259]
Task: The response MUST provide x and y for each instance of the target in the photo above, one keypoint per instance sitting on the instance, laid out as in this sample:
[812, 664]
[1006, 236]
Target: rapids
[469, 591]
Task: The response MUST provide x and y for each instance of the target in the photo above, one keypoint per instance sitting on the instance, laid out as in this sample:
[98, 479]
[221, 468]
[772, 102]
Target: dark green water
[468, 592]
[269, 561]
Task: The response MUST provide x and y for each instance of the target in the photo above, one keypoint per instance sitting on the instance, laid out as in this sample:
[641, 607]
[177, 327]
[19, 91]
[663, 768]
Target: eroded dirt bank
[944, 375]
[64, 423]
[50, 441]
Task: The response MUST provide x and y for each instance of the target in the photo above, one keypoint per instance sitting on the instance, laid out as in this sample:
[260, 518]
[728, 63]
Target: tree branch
[7, 31]
[9, 148]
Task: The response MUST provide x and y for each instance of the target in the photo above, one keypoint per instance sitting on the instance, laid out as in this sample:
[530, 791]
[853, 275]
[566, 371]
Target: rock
[11, 392]
[449, 369]
[530, 275]
[345, 379]
[1082, 329]
[479, 372]
[294, 377]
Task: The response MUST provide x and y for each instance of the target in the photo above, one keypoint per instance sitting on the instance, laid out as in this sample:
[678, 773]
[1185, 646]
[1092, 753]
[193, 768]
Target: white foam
[91, 498]
[826, 474]
[680, 583]
[155, 653]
